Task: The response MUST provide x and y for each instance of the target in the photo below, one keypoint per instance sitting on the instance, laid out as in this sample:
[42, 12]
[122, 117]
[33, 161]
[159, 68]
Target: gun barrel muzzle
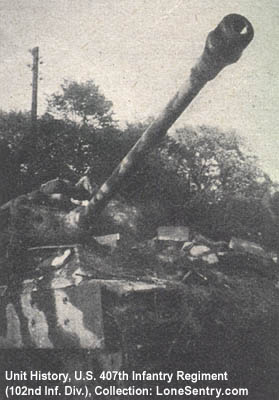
[225, 44]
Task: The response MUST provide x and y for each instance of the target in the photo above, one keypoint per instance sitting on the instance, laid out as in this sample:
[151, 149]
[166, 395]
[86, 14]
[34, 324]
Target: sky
[139, 53]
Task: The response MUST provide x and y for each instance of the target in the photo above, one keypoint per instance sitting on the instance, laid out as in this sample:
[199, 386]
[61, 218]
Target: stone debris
[74, 268]
[194, 250]
[170, 254]
[197, 251]
[174, 233]
[124, 287]
[187, 246]
[210, 258]
[108, 240]
[60, 260]
[64, 261]
[165, 248]
[244, 246]
[211, 243]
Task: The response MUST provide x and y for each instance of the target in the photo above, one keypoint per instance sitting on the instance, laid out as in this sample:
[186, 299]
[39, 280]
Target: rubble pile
[177, 255]
[148, 303]
[179, 297]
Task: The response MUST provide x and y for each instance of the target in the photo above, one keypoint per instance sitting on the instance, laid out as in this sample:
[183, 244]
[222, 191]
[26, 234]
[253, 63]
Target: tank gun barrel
[224, 46]
[33, 224]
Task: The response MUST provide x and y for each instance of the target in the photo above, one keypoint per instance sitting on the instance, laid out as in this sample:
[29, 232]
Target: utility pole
[35, 71]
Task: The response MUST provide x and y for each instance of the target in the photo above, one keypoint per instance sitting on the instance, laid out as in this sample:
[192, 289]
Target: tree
[16, 147]
[225, 183]
[217, 164]
[206, 178]
[81, 102]
[14, 128]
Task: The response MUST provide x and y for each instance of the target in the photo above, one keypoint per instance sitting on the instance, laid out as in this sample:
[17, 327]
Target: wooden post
[35, 71]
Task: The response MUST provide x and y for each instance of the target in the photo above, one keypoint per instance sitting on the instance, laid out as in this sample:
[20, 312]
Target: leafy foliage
[206, 178]
[15, 146]
[202, 177]
[81, 102]
[216, 164]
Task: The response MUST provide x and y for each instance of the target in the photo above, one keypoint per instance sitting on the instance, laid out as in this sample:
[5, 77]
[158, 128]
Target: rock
[146, 246]
[108, 240]
[200, 239]
[175, 233]
[197, 251]
[170, 254]
[60, 260]
[210, 258]
[244, 246]
[187, 246]
[125, 287]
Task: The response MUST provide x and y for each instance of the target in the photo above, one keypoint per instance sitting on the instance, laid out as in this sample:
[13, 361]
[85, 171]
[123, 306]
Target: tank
[71, 291]
[224, 46]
